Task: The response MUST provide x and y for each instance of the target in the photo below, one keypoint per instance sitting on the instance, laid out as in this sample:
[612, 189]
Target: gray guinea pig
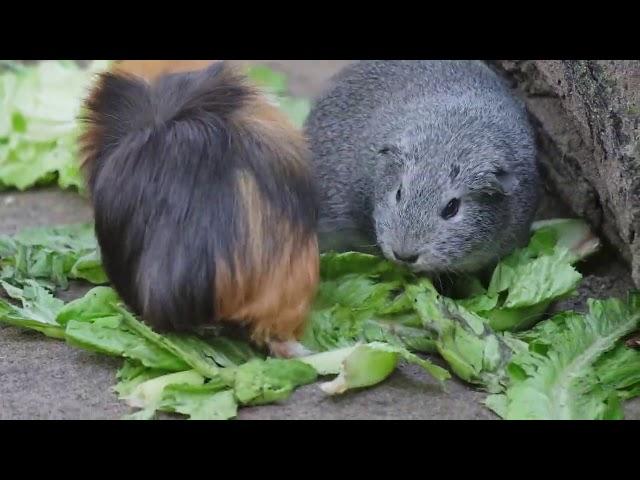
[432, 161]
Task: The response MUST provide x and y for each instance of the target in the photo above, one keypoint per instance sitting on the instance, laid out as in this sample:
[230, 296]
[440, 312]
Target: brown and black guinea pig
[204, 206]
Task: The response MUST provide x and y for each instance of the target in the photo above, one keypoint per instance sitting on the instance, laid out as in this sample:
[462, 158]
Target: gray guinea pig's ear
[496, 181]
[387, 149]
[388, 159]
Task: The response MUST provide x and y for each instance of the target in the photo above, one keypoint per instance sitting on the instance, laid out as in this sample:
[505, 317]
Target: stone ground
[42, 378]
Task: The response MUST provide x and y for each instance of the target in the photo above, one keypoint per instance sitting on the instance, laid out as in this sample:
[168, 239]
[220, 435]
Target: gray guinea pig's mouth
[418, 265]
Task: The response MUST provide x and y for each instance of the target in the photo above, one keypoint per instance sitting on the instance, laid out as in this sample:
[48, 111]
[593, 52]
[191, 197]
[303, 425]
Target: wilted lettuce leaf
[38, 309]
[472, 350]
[38, 124]
[51, 256]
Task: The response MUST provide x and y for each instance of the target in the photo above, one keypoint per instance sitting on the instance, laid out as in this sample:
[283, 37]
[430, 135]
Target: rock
[587, 114]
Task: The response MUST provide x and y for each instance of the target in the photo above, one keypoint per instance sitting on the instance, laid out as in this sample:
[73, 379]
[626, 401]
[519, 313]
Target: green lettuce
[51, 256]
[473, 351]
[38, 309]
[187, 393]
[369, 315]
[38, 126]
[199, 402]
[259, 382]
[94, 323]
[525, 283]
[362, 299]
[574, 366]
[366, 365]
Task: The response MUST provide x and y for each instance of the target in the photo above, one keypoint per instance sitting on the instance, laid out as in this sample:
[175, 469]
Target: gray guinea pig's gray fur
[432, 161]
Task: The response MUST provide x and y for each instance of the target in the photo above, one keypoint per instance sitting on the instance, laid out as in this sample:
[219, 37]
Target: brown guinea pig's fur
[204, 205]
[150, 70]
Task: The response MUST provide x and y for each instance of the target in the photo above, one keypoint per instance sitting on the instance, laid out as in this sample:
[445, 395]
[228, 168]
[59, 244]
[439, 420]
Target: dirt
[42, 378]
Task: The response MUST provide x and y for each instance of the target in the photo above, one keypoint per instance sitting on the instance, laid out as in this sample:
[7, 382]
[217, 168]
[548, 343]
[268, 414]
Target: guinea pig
[205, 209]
[433, 162]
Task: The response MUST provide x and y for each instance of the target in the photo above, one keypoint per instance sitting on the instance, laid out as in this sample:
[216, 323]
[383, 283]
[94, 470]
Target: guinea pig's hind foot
[288, 349]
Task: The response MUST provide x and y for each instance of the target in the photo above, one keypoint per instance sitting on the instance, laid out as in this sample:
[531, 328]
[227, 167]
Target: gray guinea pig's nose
[406, 258]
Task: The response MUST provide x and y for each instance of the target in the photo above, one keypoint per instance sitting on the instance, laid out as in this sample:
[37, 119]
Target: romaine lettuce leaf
[563, 380]
[38, 311]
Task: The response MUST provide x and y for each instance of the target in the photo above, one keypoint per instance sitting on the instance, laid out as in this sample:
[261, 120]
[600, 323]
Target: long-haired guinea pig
[204, 205]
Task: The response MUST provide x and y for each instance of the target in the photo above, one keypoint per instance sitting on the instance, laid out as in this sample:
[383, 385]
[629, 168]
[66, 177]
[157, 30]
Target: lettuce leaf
[563, 380]
[93, 323]
[199, 402]
[38, 311]
[259, 382]
[38, 127]
[369, 315]
[525, 283]
[361, 299]
[186, 392]
[190, 349]
[51, 256]
[366, 365]
[473, 351]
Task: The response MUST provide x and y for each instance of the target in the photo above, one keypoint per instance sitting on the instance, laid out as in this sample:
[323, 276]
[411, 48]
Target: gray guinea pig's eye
[451, 209]
[399, 193]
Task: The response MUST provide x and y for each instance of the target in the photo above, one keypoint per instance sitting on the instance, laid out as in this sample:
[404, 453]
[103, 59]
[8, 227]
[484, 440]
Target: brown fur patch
[274, 128]
[274, 303]
[273, 295]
